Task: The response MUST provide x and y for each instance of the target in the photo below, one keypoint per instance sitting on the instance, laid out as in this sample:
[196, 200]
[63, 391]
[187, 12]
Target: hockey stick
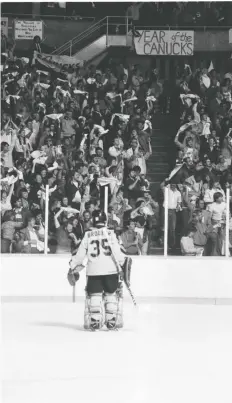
[74, 294]
[126, 284]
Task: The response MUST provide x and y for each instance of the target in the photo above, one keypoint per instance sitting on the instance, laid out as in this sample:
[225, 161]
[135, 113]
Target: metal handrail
[87, 34]
[41, 16]
[183, 27]
[69, 45]
[66, 45]
[83, 35]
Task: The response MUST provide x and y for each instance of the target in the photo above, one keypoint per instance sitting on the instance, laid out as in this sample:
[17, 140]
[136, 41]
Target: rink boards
[46, 277]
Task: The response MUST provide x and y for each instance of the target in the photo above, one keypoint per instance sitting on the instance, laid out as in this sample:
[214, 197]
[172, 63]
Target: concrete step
[159, 146]
[160, 152]
[161, 157]
[157, 169]
[162, 141]
[157, 163]
[156, 176]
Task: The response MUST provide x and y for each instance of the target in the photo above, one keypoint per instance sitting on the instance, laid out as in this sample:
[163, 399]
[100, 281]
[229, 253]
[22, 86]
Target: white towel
[55, 116]
[16, 97]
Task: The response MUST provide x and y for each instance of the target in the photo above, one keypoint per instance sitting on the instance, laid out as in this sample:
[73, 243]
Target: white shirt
[77, 196]
[208, 197]
[174, 197]
[187, 245]
[140, 231]
[114, 152]
[130, 152]
[217, 210]
[33, 235]
[5, 206]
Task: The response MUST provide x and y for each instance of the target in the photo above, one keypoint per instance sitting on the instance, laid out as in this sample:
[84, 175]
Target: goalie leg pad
[112, 310]
[94, 312]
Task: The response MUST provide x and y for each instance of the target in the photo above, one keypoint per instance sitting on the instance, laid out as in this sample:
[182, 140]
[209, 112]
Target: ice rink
[167, 353]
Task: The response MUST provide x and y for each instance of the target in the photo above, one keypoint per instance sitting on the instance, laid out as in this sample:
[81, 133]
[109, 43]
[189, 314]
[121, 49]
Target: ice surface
[175, 353]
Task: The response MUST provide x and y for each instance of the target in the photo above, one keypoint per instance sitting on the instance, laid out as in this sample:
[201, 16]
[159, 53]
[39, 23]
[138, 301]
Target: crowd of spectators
[85, 128]
[198, 183]
[76, 131]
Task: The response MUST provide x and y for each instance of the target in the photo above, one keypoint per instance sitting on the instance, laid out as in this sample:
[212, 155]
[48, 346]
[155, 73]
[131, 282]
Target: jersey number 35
[103, 243]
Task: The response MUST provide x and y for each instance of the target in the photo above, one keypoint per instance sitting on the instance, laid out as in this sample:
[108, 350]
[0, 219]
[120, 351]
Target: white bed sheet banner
[164, 43]
[28, 29]
[57, 62]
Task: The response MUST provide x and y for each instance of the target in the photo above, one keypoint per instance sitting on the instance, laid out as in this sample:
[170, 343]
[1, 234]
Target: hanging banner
[28, 29]
[4, 25]
[57, 62]
[164, 43]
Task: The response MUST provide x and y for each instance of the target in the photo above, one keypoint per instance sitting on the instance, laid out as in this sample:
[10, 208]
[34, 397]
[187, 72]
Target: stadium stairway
[92, 44]
[158, 164]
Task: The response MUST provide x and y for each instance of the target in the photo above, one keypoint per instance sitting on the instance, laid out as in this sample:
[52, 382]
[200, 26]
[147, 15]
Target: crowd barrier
[184, 277]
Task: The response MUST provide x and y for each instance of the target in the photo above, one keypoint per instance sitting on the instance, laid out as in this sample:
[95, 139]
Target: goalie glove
[73, 276]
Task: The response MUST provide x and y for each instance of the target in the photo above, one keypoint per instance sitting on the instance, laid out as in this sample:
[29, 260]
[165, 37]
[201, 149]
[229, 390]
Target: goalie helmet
[99, 218]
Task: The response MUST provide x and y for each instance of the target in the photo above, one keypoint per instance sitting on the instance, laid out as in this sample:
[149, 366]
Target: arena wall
[46, 277]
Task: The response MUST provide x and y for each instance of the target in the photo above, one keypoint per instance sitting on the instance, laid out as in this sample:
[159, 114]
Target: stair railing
[84, 36]
[108, 23]
[67, 45]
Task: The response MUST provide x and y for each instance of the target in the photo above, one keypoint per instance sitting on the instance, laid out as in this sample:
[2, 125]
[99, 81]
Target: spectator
[199, 236]
[214, 240]
[35, 47]
[205, 214]
[134, 184]
[217, 208]
[174, 205]
[131, 240]
[6, 200]
[8, 231]
[29, 238]
[66, 239]
[187, 245]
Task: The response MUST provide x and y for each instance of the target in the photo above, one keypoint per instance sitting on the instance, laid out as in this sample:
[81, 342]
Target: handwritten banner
[57, 62]
[28, 29]
[4, 25]
[164, 43]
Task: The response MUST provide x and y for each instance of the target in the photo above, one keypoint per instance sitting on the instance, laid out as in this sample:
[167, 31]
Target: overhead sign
[28, 29]
[164, 43]
[57, 62]
[4, 25]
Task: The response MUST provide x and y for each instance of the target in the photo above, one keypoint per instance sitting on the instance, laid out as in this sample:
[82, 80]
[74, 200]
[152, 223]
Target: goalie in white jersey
[104, 285]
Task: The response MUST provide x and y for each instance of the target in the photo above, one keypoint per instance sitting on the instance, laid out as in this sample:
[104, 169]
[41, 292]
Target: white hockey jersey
[96, 246]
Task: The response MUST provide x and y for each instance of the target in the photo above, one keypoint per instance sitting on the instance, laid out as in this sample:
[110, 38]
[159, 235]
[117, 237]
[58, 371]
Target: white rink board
[46, 276]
